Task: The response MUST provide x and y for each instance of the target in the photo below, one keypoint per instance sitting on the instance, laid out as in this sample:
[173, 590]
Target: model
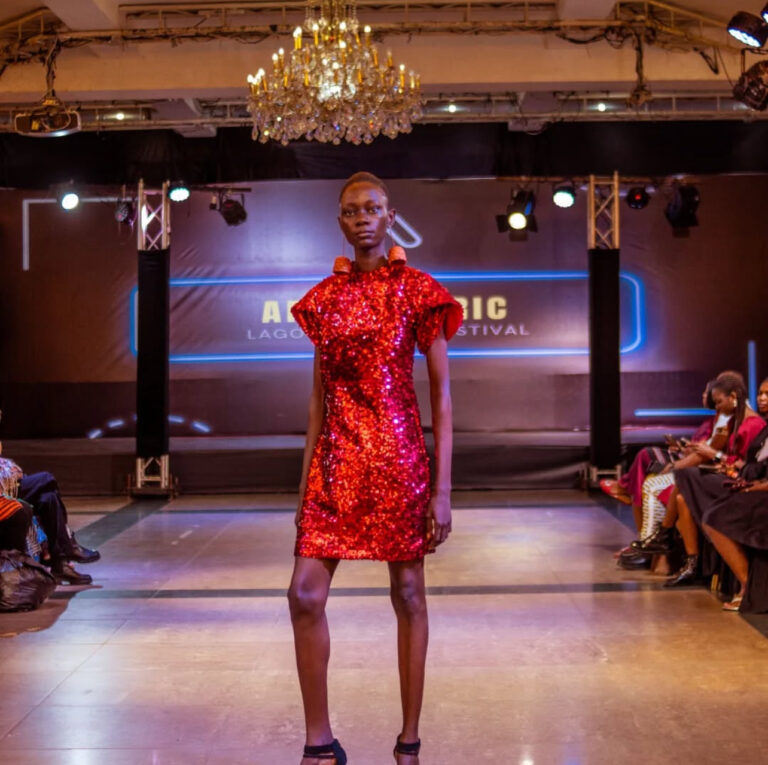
[366, 491]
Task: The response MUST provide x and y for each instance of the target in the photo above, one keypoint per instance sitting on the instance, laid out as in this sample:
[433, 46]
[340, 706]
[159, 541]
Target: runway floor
[542, 651]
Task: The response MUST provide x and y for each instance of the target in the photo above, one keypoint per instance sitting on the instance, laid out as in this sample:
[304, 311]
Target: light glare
[179, 194]
[70, 200]
[563, 198]
[517, 221]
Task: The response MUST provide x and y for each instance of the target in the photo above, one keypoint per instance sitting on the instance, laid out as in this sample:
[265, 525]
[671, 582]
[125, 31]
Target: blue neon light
[693, 412]
[752, 371]
[636, 287]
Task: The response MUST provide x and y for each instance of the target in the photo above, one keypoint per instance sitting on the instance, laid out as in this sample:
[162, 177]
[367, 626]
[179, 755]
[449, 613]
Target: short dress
[368, 485]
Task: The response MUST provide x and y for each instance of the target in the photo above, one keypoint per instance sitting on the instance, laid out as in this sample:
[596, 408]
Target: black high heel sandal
[402, 748]
[332, 751]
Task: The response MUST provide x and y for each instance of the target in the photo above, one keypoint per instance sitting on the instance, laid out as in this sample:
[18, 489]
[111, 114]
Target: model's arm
[442, 429]
[313, 428]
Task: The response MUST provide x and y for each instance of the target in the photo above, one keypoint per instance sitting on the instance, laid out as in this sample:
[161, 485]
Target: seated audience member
[653, 475]
[737, 521]
[695, 488]
[41, 491]
[651, 459]
[15, 520]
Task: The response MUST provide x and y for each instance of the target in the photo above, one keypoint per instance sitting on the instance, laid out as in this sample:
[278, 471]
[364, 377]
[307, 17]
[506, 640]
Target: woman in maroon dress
[365, 489]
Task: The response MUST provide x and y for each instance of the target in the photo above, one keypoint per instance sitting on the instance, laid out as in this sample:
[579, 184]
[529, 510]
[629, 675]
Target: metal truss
[153, 232]
[603, 213]
[525, 111]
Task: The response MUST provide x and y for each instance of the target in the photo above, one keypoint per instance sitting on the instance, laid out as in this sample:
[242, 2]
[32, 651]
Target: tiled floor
[542, 652]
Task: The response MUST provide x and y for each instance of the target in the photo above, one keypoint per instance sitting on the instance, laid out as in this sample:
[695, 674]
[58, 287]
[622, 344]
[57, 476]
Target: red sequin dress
[368, 485]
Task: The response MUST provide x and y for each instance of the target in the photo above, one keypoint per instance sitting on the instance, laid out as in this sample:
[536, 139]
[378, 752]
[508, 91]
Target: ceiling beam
[585, 9]
[87, 14]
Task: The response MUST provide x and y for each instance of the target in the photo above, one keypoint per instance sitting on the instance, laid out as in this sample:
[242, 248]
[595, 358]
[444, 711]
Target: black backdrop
[432, 151]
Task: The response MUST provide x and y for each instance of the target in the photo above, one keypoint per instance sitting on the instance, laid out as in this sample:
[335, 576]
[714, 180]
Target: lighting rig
[752, 31]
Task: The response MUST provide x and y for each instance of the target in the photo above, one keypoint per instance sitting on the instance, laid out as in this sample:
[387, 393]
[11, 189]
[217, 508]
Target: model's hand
[438, 519]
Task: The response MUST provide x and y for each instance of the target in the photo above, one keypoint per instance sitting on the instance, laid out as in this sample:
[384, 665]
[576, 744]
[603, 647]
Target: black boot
[659, 542]
[686, 575]
[634, 560]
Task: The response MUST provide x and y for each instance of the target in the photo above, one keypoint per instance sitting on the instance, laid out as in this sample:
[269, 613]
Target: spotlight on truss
[748, 29]
[229, 207]
[178, 191]
[519, 218]
[637, 198]
[564, 195]
[67, 196]
[681, 209]
[752, 87]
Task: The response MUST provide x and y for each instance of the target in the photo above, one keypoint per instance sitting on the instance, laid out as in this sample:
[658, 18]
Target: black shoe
[659, 542]
[332, 751]
[411, 748]
[82, 554]
[63, 573]
[686, 576]
[634, 561]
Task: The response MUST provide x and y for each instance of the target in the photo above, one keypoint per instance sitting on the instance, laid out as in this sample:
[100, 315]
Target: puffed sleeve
[437, 310]
[307, 314]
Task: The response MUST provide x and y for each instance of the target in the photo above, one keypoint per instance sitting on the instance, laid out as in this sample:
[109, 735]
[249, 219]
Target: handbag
[24, 583]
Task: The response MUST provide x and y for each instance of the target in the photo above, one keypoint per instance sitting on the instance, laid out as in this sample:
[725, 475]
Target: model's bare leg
[307, 597]
[687, 527]
[410, 604]
[733, 554]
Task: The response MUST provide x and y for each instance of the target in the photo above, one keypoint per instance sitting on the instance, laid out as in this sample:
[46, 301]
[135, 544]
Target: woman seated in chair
[653, 459]
[651, 474]
[697, 490]
[738, 521]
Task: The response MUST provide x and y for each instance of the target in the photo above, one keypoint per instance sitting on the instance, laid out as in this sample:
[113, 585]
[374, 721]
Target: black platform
[515, 460]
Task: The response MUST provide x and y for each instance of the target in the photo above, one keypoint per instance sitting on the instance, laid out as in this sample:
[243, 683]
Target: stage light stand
[152, 474]
[603, 242]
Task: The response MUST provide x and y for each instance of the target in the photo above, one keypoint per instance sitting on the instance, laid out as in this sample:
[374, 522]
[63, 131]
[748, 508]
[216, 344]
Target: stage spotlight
[752, 87]
[748, 29]
[764, 13]
[67, 197]
[178, 191]
[520, 211]
[232, 210]
[637, 198]
[564, 195]
[519, 218]
[125, 212]
[681, 209]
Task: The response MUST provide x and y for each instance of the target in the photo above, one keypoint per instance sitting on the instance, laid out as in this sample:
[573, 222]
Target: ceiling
[183, 66]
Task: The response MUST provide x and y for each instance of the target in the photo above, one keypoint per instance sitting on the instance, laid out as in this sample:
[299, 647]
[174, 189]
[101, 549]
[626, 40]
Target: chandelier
[333, 87]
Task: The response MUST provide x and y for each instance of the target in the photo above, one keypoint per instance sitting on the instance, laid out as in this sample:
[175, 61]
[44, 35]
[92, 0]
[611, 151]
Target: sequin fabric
[368, 485]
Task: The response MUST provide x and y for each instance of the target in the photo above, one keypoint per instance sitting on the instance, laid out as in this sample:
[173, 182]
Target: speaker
[152, 334]
[604, 359]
